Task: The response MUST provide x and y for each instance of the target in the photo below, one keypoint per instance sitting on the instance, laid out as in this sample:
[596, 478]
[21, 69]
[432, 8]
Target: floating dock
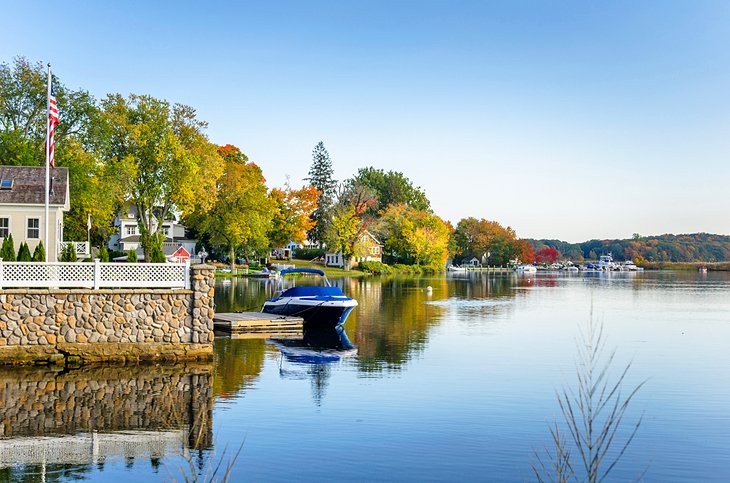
[253, 325]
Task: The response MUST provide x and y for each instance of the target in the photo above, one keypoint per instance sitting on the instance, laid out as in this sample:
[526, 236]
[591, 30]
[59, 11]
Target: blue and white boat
[319, 305]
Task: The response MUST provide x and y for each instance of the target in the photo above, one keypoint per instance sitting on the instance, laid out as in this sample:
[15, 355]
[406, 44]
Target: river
[454, 384]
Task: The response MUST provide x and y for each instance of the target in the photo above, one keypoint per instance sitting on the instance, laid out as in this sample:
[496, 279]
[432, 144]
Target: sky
[567, 120]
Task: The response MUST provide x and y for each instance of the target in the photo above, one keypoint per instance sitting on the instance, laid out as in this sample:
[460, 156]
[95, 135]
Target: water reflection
[68, 421]
[395, 315]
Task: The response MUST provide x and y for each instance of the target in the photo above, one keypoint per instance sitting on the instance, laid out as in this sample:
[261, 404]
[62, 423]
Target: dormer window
[131, 230]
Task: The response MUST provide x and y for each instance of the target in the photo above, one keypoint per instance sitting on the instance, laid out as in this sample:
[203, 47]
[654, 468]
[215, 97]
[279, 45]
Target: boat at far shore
[526, 269]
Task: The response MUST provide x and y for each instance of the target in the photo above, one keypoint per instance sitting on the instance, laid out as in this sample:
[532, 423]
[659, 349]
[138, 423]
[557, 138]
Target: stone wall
[82, 325]
[45, 402]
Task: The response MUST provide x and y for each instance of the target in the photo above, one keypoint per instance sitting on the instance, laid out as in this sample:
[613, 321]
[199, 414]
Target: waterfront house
[472, 262]
[367, 249]
[128, 236]
[22, 206]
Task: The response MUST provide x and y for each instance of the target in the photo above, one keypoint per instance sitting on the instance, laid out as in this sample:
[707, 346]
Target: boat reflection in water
[313, 356]
[318, 346]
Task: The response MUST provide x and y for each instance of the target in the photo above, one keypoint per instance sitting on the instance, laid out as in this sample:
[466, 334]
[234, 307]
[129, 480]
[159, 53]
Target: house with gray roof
[22, 206]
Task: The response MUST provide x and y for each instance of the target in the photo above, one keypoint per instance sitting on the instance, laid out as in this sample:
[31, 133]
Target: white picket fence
[94, 275]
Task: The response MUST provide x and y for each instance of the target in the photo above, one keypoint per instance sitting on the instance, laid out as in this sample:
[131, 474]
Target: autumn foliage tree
[241, 215]
[547, 255]
[292, 210]
[415, 236]
[349, 220]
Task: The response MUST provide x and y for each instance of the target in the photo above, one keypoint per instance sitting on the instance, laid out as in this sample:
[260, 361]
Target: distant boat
[455, 268]
[606, 263]
[703, 269]
[526, 269]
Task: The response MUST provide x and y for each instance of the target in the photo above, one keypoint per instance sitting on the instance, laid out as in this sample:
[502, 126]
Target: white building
[22, 206]
[128, 236]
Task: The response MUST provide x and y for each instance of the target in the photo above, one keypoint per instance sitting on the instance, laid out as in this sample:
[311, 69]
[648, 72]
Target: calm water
[456, 385]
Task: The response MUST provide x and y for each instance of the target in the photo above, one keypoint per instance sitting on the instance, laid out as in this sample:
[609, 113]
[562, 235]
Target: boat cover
[312, 291]
[302, 270]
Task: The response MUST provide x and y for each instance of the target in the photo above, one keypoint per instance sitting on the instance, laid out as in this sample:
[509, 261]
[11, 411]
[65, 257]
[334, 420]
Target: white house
[127, 238]
[367, 249]
[22, 206]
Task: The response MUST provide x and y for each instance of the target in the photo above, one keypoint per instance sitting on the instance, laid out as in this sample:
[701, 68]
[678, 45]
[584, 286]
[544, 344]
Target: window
[34, 228]
[131, 230]
[4, 227]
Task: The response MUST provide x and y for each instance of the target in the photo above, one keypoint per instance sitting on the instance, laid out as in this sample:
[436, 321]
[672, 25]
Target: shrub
[69, 253]
[308, 253]
[7, 252]
[103, 254]
[156, 255]
[132, 256]
[377, 268]
[39, 254]
[24, 253]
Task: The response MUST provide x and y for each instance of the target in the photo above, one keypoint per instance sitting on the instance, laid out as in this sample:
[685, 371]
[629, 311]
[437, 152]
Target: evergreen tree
[39, 255]
[103, 254]
[24, 253]
[69, 254]
[132, 256]
[320, 176]
[7, 252]
[156, 255]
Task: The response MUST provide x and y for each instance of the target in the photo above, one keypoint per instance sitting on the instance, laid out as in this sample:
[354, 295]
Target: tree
[23, 117]
[415, 236]
[321, 178]
[7, 252]
[132, 256]
[292, 214]
[24, 253]
[547, 255]
[165, 161]
[241, 216]
[390, 188]
[68, 254]
[103, 254]
[349, 220]
[39, 254]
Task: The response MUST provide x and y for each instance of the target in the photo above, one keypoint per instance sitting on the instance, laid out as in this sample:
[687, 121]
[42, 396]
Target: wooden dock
[249, 325]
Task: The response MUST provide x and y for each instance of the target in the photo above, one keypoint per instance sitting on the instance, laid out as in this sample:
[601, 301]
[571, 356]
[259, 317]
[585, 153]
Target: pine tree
[7, 252]
[69, 254]
[103, 254]
[320, 176]
[132, 256]
[39, 254]
[24, 253]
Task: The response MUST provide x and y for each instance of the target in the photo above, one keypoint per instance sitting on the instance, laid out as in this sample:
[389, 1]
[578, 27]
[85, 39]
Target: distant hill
[695, 247]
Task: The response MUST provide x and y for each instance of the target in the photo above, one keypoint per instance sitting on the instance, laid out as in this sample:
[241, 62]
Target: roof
[29, 185]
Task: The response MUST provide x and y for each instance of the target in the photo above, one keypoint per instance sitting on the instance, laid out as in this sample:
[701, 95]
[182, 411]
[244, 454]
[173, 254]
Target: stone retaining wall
[44, 402]
[55, 326]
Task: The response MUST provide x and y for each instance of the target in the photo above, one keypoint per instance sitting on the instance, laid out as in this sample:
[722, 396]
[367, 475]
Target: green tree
[39, 254]
[241, 217]
[68, 254]
[132, 256]
[7, 252]
[24, 253]
[415, 236]
[163, 158]
[349, 221]
[103, 254]
[390, 188]
[23, 117]
[321, 177]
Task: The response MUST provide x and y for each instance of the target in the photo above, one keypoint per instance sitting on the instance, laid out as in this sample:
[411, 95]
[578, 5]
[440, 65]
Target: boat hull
[315, 316]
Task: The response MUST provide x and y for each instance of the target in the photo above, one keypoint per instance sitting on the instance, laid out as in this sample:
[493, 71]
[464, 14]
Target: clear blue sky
[570, 120]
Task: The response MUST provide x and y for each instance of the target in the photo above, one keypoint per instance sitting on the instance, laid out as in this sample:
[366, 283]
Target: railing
[94, 275]
[81, 248]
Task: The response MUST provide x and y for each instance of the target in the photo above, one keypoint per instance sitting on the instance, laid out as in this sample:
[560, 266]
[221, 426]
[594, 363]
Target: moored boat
[526, 269]
[319, 305]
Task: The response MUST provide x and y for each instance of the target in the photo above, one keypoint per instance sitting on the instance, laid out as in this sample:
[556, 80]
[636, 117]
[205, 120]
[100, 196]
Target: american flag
[52, 123]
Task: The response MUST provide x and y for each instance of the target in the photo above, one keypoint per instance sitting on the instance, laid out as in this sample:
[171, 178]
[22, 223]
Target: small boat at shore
[703, 269]
[319, 305]
[526, 269]
[455, 268]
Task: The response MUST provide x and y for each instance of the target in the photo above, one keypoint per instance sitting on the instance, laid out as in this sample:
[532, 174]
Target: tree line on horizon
[695, 247]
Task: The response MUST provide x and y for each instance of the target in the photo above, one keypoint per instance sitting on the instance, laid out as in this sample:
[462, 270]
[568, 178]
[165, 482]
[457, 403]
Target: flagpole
[48, 166]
